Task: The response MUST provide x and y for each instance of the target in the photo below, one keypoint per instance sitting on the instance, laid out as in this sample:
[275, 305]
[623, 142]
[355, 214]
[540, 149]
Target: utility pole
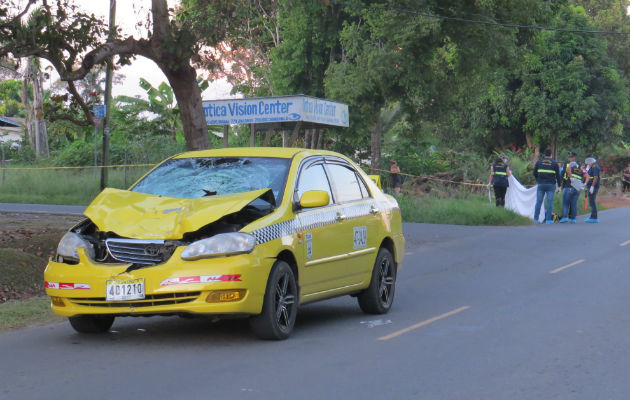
[108, 95]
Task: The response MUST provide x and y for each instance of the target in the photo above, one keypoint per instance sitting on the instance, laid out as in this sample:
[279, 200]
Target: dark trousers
[592, 202]
[499, 195]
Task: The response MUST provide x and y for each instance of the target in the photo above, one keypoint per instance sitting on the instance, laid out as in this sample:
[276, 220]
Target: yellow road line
[423, 323]
[574, 263]
[624, 243]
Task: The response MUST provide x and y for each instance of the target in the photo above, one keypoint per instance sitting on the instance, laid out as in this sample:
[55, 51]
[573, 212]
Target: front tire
[91, 324]
[280, 304]
[379, 296]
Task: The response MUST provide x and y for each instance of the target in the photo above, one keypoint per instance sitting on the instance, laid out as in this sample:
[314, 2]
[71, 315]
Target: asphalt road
[538, 312]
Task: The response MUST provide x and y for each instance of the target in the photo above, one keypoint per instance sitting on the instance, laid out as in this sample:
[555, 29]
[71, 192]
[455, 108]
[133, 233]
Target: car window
[346, 183]
[313, 178]
[364, 191]
[196, 177]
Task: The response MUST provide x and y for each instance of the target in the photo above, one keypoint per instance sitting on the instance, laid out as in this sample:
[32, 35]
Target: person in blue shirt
[592, 187]
[547, 176]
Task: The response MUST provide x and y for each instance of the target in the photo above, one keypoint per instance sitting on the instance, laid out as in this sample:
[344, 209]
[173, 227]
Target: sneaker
[549, 222]
[565, 219]
[592, 220]
[573, 221]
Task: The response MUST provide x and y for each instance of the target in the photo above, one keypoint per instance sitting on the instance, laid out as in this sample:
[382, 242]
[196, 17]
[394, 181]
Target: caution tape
[434, 179]
[81, 167]
[462, 183]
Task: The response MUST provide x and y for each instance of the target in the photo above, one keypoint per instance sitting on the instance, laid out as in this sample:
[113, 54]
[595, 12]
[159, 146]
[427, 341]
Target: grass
[66, 186]
[26, 313]
[470, 210]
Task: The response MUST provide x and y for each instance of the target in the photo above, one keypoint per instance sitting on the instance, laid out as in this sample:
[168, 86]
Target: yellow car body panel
[302, 237]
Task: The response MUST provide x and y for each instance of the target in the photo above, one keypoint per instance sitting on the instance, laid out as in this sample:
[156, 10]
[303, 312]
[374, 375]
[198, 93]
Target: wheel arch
[388, 244]
[288, 257]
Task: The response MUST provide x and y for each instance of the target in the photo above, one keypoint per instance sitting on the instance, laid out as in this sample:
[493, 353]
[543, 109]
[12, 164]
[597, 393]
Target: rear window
[191, 178]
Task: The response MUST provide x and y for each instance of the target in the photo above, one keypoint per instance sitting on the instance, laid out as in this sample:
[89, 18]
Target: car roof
[277, 152]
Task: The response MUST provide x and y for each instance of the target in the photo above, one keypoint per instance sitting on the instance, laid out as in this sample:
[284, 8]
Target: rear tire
[91, 324]
[280, 304]
[379, 296]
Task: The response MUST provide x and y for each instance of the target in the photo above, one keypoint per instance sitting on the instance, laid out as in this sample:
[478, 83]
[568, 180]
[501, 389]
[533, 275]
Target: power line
[474, 21]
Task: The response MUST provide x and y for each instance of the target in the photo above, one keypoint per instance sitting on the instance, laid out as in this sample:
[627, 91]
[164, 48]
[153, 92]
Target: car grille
[148, 301]
[136, 251]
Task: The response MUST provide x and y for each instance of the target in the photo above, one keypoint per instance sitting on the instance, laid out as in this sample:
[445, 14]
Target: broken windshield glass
[197, 177]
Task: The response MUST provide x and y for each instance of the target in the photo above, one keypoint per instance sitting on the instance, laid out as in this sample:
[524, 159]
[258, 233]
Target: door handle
[340, 217]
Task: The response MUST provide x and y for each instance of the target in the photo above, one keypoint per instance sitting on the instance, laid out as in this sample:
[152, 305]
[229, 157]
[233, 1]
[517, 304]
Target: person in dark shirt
[592, 187]
[499, 172]
[626, 180]
[547, 176]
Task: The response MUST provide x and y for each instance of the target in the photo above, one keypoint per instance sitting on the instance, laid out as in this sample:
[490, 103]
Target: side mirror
[377, 180]
[314, 198]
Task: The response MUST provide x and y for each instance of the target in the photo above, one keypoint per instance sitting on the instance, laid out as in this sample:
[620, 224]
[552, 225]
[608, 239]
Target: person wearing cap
[547, 176]
[499, 172]
[572, 183]
[592, 187]
[567, 194]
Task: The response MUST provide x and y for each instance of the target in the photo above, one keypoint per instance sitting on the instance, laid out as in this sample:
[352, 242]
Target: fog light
[224, 296]
[57, 301]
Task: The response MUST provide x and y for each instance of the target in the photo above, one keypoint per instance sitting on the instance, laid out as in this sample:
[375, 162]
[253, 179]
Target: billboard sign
[260, 110]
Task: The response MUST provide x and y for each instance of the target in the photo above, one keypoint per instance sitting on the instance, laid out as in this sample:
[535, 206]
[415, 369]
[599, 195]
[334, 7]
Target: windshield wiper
[209, 193]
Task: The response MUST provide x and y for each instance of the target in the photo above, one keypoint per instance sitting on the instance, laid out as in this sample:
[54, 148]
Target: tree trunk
[534, 148]
[375, 162]
[294, 134]
[320, 139]
[554, 147]
[307, 137]
[268, 135]
[30, 133]
[316, 133]
[188, 96]
[41, 135]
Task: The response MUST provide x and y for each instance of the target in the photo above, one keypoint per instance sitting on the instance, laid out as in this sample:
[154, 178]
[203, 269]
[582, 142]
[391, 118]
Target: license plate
[124, 289]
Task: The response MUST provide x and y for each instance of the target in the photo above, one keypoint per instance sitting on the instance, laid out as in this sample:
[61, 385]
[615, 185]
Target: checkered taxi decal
[317, 218]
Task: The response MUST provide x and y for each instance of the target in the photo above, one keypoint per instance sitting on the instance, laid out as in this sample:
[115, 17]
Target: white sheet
[522, 200]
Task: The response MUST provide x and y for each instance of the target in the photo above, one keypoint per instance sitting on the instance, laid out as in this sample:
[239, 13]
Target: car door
[358, 228]
[321, 254]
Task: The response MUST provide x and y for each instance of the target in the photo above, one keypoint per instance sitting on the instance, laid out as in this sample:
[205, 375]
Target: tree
[572, 92]
[160, 103]
[75, 42]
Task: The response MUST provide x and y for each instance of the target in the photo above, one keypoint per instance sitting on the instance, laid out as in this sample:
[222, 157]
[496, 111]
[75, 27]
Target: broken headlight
[69, 244]
[223, 244]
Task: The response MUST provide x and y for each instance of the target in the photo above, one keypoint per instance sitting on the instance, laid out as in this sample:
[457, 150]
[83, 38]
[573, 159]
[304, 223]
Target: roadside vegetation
[16, 314]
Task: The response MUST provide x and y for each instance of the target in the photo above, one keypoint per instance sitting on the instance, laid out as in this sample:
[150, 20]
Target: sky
[128, 14]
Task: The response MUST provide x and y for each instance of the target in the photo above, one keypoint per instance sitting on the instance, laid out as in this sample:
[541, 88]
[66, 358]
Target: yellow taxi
[251, 232]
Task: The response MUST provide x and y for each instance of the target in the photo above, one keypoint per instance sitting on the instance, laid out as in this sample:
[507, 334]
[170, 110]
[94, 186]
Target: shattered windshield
[210, 176]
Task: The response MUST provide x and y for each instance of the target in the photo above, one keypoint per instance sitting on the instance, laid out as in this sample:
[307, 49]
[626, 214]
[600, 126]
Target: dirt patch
[613, 200]
[27, 241]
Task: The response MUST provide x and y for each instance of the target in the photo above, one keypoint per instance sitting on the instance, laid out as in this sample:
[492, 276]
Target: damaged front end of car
[145, 230]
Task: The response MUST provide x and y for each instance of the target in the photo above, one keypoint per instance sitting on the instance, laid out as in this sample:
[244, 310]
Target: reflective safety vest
[499, 177]
[576, 172]
[546, 171]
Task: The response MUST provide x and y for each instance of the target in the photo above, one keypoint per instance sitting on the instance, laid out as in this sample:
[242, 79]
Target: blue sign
[258, 110]
[98, 110]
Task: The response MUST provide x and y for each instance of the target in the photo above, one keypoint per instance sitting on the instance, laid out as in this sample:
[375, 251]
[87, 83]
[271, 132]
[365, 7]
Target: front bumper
[80, 289]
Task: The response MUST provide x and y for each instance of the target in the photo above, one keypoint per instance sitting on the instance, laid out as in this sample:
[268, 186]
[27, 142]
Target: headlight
[69, 244]
[223, 244]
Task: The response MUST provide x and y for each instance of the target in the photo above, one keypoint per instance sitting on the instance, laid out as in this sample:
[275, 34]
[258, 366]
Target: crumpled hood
[144, 216]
